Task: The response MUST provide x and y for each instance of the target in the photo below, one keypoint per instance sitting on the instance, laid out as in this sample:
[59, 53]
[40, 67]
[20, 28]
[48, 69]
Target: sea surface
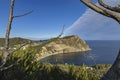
[103, 52]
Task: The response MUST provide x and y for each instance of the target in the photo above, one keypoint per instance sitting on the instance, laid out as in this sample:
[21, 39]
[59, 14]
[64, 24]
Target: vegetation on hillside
[14, 41]
[27, 68]
[21, 64]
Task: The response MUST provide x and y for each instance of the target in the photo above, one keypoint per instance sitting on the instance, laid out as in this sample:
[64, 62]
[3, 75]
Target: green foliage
[30, 69]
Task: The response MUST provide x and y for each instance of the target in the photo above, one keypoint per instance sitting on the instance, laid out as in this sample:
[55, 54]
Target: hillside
[14, 41]
[63, 45]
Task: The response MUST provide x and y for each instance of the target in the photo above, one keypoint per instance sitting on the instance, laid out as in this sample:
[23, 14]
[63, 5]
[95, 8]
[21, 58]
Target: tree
[112, 12]
[6, 52]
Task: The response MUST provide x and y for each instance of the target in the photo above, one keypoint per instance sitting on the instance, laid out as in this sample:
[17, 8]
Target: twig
[20, 47]
[23, 14]
[5, 68]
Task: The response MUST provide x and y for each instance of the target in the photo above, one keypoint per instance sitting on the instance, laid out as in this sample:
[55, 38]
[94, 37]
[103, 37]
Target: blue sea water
[103, 52]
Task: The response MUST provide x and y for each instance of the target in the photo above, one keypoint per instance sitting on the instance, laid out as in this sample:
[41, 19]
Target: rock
[64, 45]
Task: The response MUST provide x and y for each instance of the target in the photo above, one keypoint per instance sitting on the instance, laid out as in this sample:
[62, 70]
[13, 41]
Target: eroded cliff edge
[66, 44]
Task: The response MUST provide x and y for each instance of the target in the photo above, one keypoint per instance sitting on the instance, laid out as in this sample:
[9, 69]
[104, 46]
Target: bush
[30, 69]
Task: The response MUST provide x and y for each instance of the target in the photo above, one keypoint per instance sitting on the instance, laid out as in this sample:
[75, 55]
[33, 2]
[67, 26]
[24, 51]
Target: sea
[103, 52]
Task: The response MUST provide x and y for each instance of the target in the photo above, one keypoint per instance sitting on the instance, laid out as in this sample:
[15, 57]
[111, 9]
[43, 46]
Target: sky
[49, 16]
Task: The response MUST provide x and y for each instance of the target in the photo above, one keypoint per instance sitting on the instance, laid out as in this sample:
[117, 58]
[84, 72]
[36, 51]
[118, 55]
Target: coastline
[68, 44]
[60, 52]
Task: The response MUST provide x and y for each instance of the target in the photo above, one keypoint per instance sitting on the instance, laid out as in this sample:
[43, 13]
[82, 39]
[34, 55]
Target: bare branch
[6, 47]
[61, 31]
[102, 11]
[116, 8]
[5, 68]
[113, 72]
[10, 20]
[53, 39]
[20, 47]
[2, 65]
[10, 53]
[97, 8]
[4, 57]
[23, 14]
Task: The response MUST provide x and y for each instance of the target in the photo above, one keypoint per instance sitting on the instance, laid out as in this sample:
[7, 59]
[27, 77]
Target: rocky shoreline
[67, 44]
[47, 55]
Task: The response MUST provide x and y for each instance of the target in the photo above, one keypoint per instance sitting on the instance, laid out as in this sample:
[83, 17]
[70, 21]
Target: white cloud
[92, 25]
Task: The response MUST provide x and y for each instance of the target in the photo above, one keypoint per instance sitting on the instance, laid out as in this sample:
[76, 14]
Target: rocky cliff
[64, 45]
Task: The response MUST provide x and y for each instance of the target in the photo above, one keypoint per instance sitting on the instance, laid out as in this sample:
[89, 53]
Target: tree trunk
[114, 72]
[112, 12]
[6, 47]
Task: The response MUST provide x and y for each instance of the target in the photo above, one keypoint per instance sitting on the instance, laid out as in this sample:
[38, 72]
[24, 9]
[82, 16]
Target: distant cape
[66, 44]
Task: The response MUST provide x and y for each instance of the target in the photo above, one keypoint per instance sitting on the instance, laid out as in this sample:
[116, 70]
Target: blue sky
[50, 15]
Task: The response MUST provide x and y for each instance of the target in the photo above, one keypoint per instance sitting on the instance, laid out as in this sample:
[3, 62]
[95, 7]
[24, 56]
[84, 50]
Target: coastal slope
[66, 44]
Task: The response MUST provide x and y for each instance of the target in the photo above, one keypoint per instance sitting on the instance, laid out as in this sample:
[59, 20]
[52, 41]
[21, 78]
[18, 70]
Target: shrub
[30, 69]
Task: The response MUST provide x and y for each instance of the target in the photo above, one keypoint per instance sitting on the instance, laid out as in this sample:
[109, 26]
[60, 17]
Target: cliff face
[64, 45]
